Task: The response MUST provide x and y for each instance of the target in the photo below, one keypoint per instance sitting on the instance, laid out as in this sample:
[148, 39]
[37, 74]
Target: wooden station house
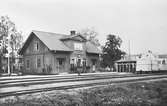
[52, 53]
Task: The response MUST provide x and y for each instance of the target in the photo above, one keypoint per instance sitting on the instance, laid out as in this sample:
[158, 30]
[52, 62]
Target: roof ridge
[49, 32]
[72, 36]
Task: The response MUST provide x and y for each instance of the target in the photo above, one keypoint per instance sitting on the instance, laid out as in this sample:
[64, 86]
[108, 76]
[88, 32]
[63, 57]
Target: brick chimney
[72, 32]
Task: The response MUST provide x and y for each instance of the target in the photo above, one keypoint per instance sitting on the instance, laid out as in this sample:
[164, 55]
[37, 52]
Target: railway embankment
[152, 93]
[147, 92]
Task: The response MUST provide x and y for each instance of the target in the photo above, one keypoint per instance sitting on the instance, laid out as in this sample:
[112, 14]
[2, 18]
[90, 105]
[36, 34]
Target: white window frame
[78, 46]
[36, 46]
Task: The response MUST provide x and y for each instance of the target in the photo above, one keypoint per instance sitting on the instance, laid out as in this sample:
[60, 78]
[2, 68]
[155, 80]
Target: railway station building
[52, 53]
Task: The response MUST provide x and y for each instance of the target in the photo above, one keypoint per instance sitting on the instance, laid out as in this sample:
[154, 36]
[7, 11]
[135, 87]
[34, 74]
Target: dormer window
[78, 46]
[36, 46]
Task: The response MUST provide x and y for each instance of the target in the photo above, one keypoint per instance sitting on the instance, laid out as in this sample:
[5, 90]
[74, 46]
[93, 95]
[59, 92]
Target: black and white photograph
[83, 53]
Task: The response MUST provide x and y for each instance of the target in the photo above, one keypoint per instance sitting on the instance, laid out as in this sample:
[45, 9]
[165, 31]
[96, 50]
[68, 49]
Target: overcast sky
[143, 22]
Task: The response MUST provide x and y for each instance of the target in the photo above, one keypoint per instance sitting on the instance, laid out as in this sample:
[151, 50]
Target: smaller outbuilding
[162, 62]
[126, 65]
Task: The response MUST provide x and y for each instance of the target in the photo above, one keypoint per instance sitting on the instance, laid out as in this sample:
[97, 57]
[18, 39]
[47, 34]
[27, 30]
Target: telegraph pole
[129, 50]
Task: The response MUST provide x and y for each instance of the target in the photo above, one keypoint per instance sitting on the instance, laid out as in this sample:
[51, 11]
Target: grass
[132, 94]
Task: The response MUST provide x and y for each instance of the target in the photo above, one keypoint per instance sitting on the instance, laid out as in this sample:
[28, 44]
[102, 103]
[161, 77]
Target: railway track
[57, 76]
[57, 80]
[85, 83]
[46, 80]
[67, 76]
[3, 81]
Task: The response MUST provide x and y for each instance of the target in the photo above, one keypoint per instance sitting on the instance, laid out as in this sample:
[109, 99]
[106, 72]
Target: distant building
[162, 61]
[147, 62]
[51, 53]
[125, 65]
[142, 62]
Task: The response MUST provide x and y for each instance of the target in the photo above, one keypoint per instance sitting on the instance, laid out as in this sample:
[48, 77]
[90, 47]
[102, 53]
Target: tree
[10, 38]
[111, 51]
[90, 34]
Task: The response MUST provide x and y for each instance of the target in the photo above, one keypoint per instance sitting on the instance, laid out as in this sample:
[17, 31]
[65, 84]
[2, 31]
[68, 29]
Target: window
[84, 62]
[78, 46]
[36, 46]
[159, 62]
[27, 63]
[94, 61]
[163, 62]
[38, 62]
[79, 62]
[60, 61]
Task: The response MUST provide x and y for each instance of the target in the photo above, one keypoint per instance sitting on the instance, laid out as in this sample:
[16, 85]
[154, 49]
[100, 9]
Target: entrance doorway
[94, 61]
[60, 65]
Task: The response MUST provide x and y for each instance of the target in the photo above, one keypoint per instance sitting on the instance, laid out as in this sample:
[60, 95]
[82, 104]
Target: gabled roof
[54, 42]
[91, 48]
[51, 40]
[125, 61]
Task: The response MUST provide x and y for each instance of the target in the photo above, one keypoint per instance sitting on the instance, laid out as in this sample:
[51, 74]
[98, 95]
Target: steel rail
[23, 92]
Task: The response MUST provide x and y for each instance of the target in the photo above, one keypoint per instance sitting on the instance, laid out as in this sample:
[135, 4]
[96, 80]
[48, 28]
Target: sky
[143, 23]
